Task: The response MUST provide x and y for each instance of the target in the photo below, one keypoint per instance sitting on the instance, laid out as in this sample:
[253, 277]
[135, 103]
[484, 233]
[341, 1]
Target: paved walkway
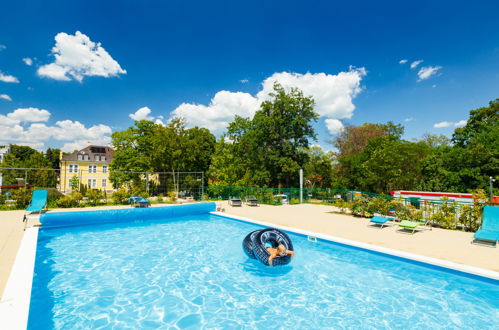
[11, 233]
[438, 243]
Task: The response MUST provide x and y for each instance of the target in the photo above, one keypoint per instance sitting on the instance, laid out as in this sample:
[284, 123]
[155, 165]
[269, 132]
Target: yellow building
[90, 165]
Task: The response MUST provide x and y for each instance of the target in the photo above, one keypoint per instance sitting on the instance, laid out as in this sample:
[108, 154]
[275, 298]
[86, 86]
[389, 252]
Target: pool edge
[14, 304]
[476, 271]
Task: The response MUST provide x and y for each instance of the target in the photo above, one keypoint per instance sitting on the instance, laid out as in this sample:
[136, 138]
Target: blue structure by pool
[184, 267]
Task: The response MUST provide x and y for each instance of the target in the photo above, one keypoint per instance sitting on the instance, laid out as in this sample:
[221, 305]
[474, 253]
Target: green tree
[353, 139]
[74, 183]
[30, 164]
[149, 147]
[269, 149]
[318, 169]
[52, 156]
[475, 155]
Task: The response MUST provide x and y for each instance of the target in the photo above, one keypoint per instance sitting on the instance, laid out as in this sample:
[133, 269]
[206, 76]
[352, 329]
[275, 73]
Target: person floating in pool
[281, 251]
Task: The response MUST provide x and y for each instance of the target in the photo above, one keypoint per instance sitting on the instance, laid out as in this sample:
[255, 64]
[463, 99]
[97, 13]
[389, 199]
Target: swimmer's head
[281, 249]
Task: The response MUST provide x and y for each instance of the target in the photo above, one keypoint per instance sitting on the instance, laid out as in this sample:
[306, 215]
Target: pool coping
[14, 304]
[466, 269]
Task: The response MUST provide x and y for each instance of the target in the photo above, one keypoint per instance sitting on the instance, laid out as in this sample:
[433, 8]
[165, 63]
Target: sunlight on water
[192, 272]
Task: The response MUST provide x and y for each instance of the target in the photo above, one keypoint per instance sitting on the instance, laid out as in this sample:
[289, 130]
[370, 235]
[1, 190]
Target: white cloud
[416, 63]
[244, 81]
[159, 121]
[433, 86]
[221, 110]
[333, 95]
[5, 97]
[408, 119]
[334, 126]
[403, 61]
[2, 47]
[29, 115]
[76, 56]
[28, 61]
[444, 124]
[23, 126]
[141, 114]
[8, 78]
[427, 71]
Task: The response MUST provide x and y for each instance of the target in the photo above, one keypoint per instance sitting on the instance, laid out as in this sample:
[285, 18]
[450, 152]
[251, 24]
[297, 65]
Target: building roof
[92, 151]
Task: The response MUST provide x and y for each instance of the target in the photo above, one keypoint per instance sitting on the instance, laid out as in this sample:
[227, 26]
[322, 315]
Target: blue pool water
[191, 272]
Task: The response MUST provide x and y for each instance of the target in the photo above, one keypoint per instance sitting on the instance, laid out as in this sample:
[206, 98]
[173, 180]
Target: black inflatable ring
[274, 237]
[248, 245]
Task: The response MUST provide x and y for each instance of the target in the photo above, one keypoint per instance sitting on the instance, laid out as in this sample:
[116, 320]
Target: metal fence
[182, 184]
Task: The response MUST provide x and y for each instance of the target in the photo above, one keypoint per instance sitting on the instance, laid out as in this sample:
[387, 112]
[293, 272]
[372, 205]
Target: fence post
[301, 186]
[202, 185]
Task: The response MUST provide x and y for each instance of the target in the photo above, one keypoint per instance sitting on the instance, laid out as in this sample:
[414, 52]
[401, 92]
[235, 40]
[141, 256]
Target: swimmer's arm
[270, 260]
[273, 254]
[291, 253]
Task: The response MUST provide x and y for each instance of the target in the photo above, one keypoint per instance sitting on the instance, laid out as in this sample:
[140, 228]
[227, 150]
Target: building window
[92, 168]
[80, 157]
[103, 158]
[104, 168]
[85, 157]
[92, 183]
[73, 168]
[104, 183]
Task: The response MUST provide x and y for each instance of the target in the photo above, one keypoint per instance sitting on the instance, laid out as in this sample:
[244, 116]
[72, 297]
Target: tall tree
[149, 147]
[353, 139]
[318, 169]
[269, 149]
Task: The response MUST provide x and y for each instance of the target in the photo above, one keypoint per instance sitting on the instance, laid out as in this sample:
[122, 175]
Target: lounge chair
[138, 201]
[235, 202]
[379, 221]
[38, 201]
[412, 226]
[489, 231]
[251, 201]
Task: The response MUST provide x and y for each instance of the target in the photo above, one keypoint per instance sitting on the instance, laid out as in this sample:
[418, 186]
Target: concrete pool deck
[449, 245]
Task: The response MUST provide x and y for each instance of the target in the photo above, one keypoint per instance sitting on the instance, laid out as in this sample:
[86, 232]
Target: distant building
[3, 151]
[90, 165]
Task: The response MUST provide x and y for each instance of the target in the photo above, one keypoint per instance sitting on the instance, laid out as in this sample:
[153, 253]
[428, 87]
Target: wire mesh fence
[65, 181]
[170, 186]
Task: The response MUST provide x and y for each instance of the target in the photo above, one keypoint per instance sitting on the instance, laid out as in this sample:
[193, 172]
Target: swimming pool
[191, 271]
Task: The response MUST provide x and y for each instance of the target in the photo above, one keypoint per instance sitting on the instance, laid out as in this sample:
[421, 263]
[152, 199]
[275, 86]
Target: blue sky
[181, 56]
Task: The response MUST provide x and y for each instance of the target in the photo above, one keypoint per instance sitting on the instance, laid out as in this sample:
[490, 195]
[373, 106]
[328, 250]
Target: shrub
[401, 211]
[66, 201]
[22, 196]
[294, 201]
[94, 196]
[172, 195]
[159, 198]
[361, 206]
[445, 216]
[342, 205]
[381, 204]
[121, 196]
[72, 200]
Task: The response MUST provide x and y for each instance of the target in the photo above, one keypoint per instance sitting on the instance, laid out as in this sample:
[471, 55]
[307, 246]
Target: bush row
[446, 214]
